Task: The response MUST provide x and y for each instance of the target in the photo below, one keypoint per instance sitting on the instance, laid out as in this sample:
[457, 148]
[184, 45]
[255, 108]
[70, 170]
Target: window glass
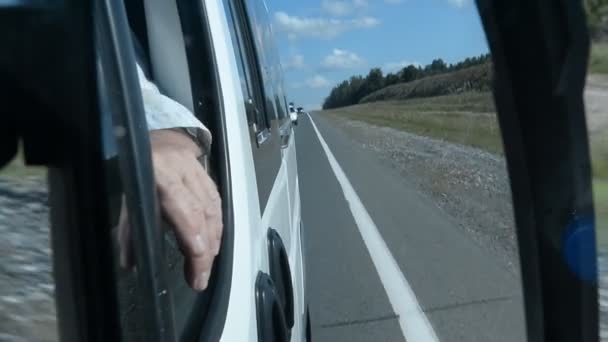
[188, 306]
[242, 65]
[265, 143]
[249, 68]
[131, 319]
[596, 108]
[27, 287]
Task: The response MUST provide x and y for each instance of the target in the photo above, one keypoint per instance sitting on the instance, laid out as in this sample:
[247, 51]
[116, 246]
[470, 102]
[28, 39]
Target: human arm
[188, 197]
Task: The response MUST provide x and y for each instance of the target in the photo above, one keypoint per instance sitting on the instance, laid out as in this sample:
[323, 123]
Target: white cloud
[396, 66]
[338, 8]
[294, 63]
[317, 81]
[459, 3]
[342, 59]
[342, 7]
[394, 2]
[325, 28]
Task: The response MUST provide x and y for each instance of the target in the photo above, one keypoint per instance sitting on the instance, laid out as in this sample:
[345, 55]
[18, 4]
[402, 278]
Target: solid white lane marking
[415, 326]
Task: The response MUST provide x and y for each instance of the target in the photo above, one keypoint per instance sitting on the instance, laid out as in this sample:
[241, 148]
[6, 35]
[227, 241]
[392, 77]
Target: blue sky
[323, 42]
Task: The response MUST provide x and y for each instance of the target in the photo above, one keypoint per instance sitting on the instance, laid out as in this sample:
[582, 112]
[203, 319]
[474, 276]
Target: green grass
[17, 169]
[598, 60]
[600, 199]
[599, 160]
[466, 118]
[599, 153]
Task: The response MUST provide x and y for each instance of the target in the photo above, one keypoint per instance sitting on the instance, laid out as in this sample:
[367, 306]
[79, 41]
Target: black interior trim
[54, 99]
[540, 51]
[208, 98]
[137, 21]
[308, 326]
[135, 159]
[201, 78]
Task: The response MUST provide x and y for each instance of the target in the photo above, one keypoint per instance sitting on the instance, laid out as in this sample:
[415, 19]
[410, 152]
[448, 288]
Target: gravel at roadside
[469, 184]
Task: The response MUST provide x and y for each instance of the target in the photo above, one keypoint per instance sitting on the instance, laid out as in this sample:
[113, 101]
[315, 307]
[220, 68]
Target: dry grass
[466, 118]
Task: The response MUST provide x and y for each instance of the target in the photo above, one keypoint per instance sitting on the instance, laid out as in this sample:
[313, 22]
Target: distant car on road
[292, 114]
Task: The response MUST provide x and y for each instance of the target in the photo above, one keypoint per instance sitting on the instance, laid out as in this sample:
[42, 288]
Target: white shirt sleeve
[162, 112]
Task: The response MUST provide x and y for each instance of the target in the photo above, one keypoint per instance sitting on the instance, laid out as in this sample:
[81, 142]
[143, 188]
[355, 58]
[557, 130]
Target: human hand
[189, 201]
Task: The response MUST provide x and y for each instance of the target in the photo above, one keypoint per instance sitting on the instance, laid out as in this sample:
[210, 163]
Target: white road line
[415, 326]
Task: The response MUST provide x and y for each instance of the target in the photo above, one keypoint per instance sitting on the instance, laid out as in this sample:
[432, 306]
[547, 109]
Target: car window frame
[208, 99]
[266, 144]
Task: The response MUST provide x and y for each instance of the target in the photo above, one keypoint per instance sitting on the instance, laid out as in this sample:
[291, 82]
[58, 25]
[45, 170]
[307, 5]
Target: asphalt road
[466, 292]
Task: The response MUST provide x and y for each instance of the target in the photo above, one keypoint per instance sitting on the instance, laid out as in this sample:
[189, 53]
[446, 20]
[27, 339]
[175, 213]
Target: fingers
[190, 201]
[195, 180]
[213, 206]
[192, 206]
[187, 215]
[198, 271]
[123, 237]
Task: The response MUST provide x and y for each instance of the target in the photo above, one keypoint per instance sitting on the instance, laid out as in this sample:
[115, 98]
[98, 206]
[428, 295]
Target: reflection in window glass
[27, 306]
[596, 108]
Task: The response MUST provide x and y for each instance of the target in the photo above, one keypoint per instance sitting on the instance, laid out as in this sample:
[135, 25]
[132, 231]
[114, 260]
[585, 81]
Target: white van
[219, 59]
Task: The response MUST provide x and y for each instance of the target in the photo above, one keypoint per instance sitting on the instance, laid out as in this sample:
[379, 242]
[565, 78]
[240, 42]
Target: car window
[126, 178]
[27, 303]
[249, 66]
[265, 139]
[596, 106]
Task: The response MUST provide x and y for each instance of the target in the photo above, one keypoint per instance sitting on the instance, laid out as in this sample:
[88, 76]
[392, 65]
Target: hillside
[476, 78]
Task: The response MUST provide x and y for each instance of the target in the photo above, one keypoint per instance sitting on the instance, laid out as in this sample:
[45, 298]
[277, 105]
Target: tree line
[351, 91]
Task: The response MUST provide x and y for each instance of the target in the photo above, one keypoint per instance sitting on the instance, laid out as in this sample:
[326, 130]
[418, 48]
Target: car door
[272, 76]
[542, 117]
[270, 133]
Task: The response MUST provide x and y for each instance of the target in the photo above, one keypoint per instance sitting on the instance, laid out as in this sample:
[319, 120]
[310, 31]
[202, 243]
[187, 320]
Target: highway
[463, 291]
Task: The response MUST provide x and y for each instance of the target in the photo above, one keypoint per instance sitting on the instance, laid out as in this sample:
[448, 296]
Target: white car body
[282, 211]
[293, 115]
